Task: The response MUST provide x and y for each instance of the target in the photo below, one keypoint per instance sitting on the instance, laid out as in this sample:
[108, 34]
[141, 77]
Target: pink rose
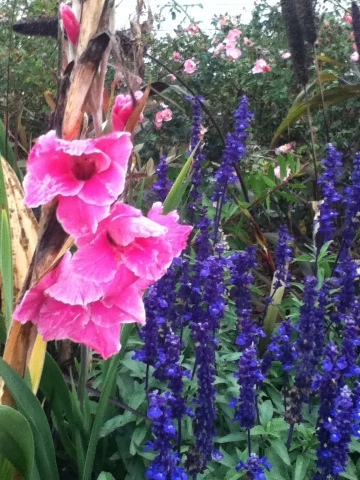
[277, 173]
[172, 77]
[193, 29]
[261, 66]
[176, 57]
[283, 149]
[348, 17]
[123, 109]
[190, 66]
[233, 35]
[233, 53]
[286, 55]
[162, 116]
[84, 176]
[248, 42]
[70, 22]
[354, 57]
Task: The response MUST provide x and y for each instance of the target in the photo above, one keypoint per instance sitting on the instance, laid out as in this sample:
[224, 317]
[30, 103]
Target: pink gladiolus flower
[348, 17]
[286, 55]
[176, 57]
[261, 66]
[123, 109]
[190, 66]
[71, 23]
[84, 176]
[354, 57]
[87, 297]
[97, 323]
[193, 29]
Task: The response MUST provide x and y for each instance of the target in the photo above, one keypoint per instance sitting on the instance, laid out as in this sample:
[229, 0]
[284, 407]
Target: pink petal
[48, 173]
[57, 321]
[177, 234]
[96, 261]
[123, 109]
[79, 218]
[148, 257]
[71, 23]
[125, 230]
[131, 303]
[104, 188]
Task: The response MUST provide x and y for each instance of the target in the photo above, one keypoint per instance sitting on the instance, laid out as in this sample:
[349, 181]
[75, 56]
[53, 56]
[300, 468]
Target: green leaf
[111, 367]
[301, 467]
[6, 150]
[266, 411]
[56, 391]
[6, 265]
[30, 407]
[105, 476]
[16, 440]
[331, 96]
[279, 447]
[176, 193]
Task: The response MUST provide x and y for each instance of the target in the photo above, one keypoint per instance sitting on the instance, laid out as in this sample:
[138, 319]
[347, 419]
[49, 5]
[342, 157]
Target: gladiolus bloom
[84, 176]
[88, 296]
[123, 109]
[71, 23]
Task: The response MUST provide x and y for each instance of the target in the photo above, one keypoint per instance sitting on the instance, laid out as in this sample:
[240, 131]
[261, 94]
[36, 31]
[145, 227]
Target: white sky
[126, 8]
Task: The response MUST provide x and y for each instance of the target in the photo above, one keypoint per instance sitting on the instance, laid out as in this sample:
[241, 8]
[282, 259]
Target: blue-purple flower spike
[254, 467]
[328, 180]
[162, 184]
[352, 200]
[235, 150]
[165, 466]
[283, 256]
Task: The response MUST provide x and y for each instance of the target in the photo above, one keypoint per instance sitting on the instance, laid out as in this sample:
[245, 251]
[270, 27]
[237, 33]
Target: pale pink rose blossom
[203, 130]
[277, 172]
[248, 42]
[70, 22]
[261, 66]
[190, 66]
[162, 116]
[283, 149]
[233, 35]
[286, 55]
[233, 53]
[193, 29]
[348, 17]
[84, 176]
[223, 20]
[354, 57]
[123, 108]
[172, 77]
[218, 49]
[176, 57]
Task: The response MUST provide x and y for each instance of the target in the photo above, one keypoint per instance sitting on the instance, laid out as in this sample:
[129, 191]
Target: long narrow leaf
[176, 193]
[16, 440]
[332, 96]
[30, 407]
[111, 367]
[6, 266]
